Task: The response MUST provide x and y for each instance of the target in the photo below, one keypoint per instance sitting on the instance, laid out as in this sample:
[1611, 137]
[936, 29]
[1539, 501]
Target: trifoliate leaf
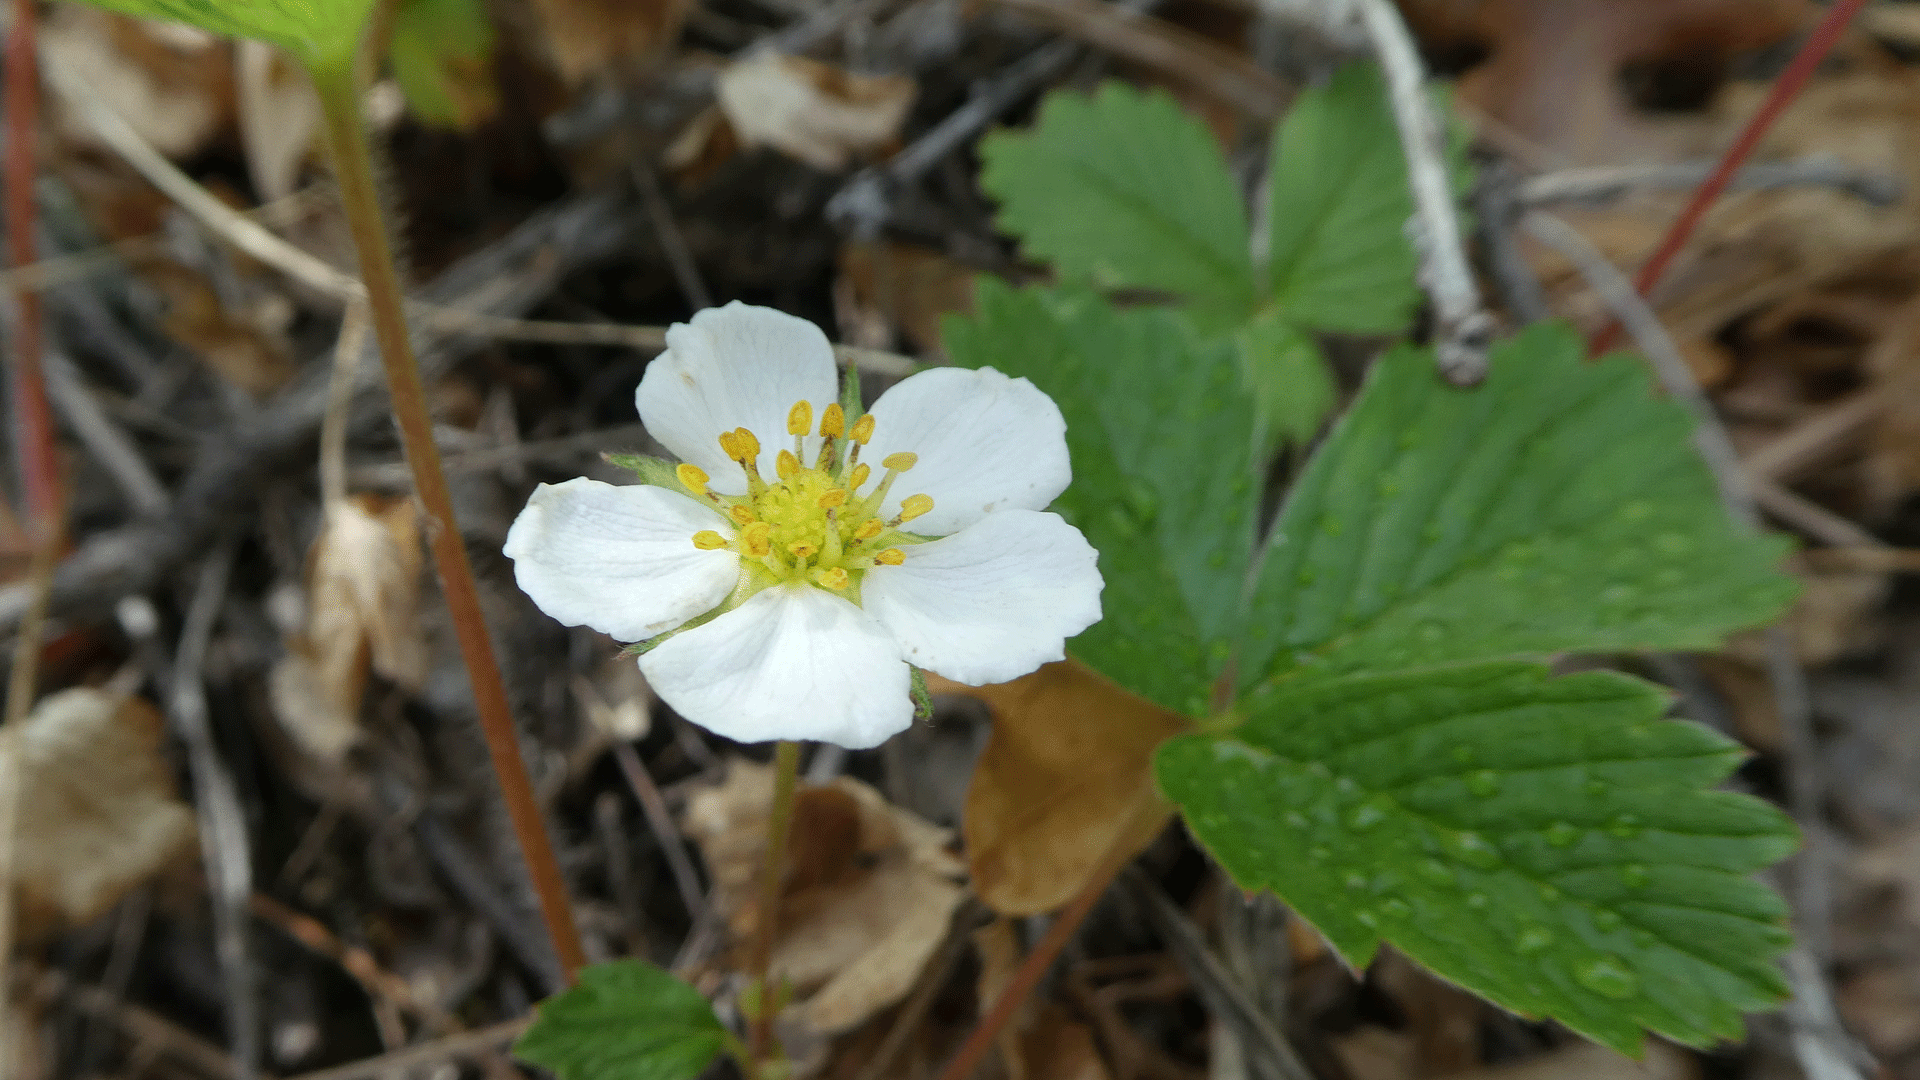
[442, 57]
[1337, 210]
[1558, 507]
[1124, 189]
[1162, 440]
[1287, 375]
[1548, 843]
[323, 34]
[624, 1021]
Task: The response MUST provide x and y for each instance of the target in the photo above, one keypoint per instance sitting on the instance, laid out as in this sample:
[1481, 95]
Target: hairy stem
[786, 771]
[354, 169]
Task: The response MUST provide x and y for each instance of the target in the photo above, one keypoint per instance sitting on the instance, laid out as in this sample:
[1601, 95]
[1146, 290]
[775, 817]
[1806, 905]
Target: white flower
[795, 533]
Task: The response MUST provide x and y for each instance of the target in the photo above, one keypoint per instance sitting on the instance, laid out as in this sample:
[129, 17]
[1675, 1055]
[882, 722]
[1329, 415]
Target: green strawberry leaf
[1548, 843]
[323, 34]
[1164, 459]
[1289, 378]
[442, 56]
[1558, 507]
[624, 1021]
[1123, 188]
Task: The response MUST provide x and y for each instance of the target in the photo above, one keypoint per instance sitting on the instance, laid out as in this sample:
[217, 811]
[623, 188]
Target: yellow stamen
[869, 530]
[901, 461]
[800, 418]
[833, 422]
[833, 498]
[891, 557]
[860, 474]
[730, 445]
[802, 550]
[758, 539]
[834, 578]
[708, 540]
[740, 515]
[863, 429]
[914, 506]
[693, 477]
[747, 444]
[786, 464]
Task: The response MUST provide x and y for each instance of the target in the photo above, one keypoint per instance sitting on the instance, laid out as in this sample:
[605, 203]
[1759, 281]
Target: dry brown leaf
[1372, 1052]
[1065, 779]
[98, 813]
[869, 893]
[884, 286]
[815, 112]
[279, 116]
[363, 597]
[1585, 1061]
[174, 84]
[238, 349]
[585, 37]
[1442, 1020]
[1056, 1047]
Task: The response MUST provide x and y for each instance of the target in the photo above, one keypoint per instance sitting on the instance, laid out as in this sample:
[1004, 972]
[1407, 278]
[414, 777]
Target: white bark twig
[1462, 326]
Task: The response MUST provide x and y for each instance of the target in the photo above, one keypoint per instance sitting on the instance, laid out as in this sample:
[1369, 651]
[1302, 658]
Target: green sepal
[922, 697]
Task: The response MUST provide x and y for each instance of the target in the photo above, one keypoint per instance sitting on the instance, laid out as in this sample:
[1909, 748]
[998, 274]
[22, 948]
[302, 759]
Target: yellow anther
[730, 445]
[758, 538]
[708, 540]
[914, 506]
[740, 515]
[802, 550]
[786, 464]
[800, 418]
[863, 429]
[869, 530]
[747, 445]
[891, 557]
[860, 474]
[693, 477]
[834, 578]
[901, 461]
[833, 498]
[833, 422]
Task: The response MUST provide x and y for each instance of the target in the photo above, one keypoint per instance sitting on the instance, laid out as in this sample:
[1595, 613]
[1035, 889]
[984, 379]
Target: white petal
[732, 367]
[986, 442]
[794, 662]
[619, 559]
[991, 602]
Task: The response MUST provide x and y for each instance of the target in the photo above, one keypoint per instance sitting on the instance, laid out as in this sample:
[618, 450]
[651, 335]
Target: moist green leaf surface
[1337, 210]
[1559, 507]
[322, 33]
[1548, 843]
[1162, 441]
[1287, 375]
[624, 1021]
[1124, 188]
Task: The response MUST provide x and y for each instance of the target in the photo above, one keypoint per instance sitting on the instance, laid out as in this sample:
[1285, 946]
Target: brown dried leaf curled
[1065, 779]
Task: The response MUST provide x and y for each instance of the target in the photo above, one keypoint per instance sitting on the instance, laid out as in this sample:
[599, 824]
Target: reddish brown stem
[1785, 89]
[33, 424]
[360, 196]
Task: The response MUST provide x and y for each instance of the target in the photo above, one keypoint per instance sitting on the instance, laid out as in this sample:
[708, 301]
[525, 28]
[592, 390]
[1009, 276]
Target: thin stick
[1462, 327]
[1785, 89]
[786, 771]
[353, 163]
[379, 984]
[465, 1045]
[341, 380]
[654, 806]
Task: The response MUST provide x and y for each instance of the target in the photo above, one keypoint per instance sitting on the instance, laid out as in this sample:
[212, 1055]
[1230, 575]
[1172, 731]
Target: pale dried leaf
[363, 598]
[279, 116]
[173, 84]
[812, 111]
[585, 37]
[98, 812]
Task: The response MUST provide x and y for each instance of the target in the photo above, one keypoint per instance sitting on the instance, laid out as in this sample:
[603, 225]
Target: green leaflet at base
[624, 1021]
[1548, 843]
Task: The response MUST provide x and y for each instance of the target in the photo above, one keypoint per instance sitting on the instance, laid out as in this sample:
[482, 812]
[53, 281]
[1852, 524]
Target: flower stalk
[786, 773]
[338, 91]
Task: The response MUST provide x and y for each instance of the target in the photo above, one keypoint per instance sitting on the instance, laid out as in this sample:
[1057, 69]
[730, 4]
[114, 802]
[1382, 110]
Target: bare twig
[344, 374]
[379, 984]
[465, 1046]
[223, 827]
[1462, 327]
[654, 806]
[1876, 187]
[1806, 442]
[110, 446]
[147, 1029]
[685, 271]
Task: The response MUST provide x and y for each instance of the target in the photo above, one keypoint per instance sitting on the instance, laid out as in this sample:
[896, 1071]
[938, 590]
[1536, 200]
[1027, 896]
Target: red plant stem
[33, 423]
[1785, 89]
[360, 197]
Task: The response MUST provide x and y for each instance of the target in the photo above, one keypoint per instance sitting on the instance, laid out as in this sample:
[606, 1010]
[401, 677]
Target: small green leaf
[1558, 507]
[1124, 189]
[442, 57]
[1337, 209]
[624, 1021]
[1289, 378]
[1163, 450]
[1549, 843]
[323, 34]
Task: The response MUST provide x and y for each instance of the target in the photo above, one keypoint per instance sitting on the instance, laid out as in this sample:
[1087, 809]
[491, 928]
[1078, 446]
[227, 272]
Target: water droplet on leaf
[1533, 938]
[1607, 976]
[1635, 876]
[1560, 834]
[1484, 782]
